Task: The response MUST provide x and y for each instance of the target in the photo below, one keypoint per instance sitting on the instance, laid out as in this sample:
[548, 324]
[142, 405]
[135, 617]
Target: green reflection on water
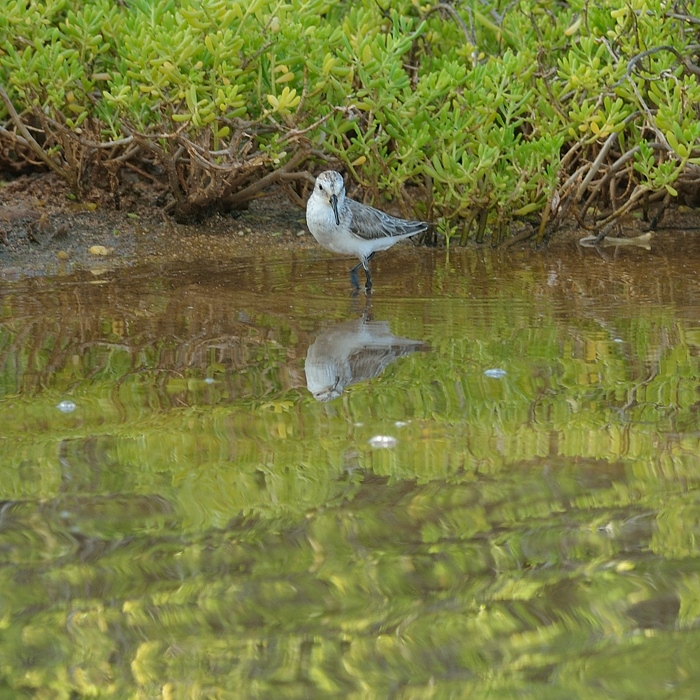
[201, 526]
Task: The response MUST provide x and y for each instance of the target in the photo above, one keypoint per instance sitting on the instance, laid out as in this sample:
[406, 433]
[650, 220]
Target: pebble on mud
[101, 250]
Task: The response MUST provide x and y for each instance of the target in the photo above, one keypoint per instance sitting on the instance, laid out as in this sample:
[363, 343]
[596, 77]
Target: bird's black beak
[334, 204]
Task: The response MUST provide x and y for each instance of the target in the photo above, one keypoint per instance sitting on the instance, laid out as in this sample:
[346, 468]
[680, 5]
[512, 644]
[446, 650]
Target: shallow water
[489, 488]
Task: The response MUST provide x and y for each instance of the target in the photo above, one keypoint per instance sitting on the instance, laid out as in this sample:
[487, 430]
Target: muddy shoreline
[43, 231]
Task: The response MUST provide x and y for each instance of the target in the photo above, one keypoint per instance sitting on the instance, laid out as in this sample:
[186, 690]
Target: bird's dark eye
[320, 187]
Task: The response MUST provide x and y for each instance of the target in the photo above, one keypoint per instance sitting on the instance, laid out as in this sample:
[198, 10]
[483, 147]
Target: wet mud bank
[43, 231]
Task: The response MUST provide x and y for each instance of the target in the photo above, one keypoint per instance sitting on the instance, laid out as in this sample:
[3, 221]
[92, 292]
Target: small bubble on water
[209, 380]
[495, 373]
[66, 407]
[618, 340]
[383, 441]
[401, 423]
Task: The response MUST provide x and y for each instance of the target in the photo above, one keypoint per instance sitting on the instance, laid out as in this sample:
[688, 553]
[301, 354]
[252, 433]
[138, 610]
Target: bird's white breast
[320, 219]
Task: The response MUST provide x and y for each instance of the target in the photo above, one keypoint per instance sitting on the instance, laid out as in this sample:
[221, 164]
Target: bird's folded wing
[370, 223]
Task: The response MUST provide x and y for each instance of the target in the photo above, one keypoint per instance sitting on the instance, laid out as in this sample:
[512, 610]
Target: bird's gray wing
[370, 223]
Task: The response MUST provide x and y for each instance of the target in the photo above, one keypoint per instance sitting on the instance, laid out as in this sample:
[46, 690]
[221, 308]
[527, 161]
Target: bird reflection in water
[352, 352]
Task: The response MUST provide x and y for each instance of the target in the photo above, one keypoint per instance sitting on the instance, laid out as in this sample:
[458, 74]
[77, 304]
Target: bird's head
[330, 188]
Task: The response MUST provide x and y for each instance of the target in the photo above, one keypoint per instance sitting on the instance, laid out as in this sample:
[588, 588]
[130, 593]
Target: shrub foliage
[473, 115]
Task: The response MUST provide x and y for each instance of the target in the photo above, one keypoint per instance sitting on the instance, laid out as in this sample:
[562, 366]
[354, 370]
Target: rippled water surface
[234, 480]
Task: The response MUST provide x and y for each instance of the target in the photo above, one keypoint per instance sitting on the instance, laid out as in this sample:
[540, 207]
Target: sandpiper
[345, 226]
